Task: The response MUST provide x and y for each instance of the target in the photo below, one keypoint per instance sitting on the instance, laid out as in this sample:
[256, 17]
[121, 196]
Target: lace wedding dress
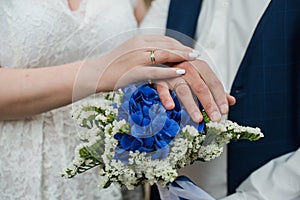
[38, 33]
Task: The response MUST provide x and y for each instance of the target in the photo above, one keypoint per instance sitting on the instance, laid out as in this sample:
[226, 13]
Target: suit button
[238, 90]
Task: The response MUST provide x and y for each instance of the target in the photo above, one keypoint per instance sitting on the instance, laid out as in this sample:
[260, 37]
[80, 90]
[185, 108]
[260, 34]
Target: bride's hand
[33, 91]
[133, 62]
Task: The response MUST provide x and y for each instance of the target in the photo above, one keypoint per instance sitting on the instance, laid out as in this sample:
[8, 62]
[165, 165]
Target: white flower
[191, 130]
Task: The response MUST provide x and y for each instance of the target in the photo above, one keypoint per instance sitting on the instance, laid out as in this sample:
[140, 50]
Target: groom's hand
[200, 81]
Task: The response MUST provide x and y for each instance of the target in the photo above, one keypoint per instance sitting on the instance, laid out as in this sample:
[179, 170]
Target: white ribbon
[188, 191]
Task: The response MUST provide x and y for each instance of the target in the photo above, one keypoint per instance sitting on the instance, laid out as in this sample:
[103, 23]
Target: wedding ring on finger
[179, 84]
[152, 57]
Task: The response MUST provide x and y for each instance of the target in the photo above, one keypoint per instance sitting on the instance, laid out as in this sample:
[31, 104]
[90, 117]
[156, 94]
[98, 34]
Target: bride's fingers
[151, 42]
[148, 73]
[161, 41]
[160, 56]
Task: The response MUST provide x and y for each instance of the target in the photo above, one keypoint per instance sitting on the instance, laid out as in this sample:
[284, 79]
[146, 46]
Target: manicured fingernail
[224, 109]
[180, 71]
[197, 116]
[215, 116]
[194, 54]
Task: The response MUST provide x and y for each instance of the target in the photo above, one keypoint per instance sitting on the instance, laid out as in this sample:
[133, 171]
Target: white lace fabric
[36, 33]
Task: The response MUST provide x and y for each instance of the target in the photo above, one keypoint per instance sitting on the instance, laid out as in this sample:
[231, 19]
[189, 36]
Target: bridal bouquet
[132, 139]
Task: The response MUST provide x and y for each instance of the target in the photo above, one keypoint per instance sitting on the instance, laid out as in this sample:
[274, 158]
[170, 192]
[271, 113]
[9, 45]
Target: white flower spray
[100, 122]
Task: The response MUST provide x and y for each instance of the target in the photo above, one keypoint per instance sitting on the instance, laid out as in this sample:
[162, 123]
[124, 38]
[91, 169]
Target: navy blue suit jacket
[267, 89]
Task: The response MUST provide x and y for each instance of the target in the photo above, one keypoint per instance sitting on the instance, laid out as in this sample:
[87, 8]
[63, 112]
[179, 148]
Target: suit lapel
[182, 20]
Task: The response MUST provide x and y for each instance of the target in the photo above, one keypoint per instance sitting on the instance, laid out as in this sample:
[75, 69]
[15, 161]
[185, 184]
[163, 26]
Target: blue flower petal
[159, 142]
[141, 131]
[137, 118]
[159, 119]
[148, 142]
[146, 122]
[125, 141]
[161, 153]
[147, 91]
[123, 111]
[128, 91]
[145, 149]
[157, 110]
[171, 127]
[152, 127]
[136, 144]
[121, 154]
[185, 118]
[118, 136]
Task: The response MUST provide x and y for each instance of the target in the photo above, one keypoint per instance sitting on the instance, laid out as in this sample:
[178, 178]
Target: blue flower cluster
[152, 127]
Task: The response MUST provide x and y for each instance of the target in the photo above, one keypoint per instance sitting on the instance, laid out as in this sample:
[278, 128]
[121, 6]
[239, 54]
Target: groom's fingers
[202, 90]
[214, 84]
[162, 88]
[183, 93]
[231, 99]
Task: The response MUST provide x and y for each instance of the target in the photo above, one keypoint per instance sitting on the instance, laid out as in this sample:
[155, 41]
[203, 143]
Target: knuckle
[162, 91]
[183, 90]
[160, 85]
[216, 83]
[202, 63]
[185, 65]
[190, 71]
[198, 65]
[164, 56]
[201, 89]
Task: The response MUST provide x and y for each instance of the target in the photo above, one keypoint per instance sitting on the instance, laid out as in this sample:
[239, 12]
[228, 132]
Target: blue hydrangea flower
[152, 127]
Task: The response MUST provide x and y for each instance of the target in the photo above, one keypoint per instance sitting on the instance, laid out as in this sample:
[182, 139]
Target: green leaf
[205, 116]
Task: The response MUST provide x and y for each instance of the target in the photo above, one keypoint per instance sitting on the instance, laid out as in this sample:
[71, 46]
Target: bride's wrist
[86, 78]
[92, 74]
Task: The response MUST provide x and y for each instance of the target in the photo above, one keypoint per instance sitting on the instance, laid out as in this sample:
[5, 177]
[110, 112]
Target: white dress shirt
[279, 179]
[224, 30]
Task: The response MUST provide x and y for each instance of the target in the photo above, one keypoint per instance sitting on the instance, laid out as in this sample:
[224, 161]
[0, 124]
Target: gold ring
[178, 84]
[152, 57]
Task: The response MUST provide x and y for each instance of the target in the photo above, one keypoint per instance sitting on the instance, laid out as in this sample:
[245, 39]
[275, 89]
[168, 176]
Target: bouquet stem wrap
[182, 189]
